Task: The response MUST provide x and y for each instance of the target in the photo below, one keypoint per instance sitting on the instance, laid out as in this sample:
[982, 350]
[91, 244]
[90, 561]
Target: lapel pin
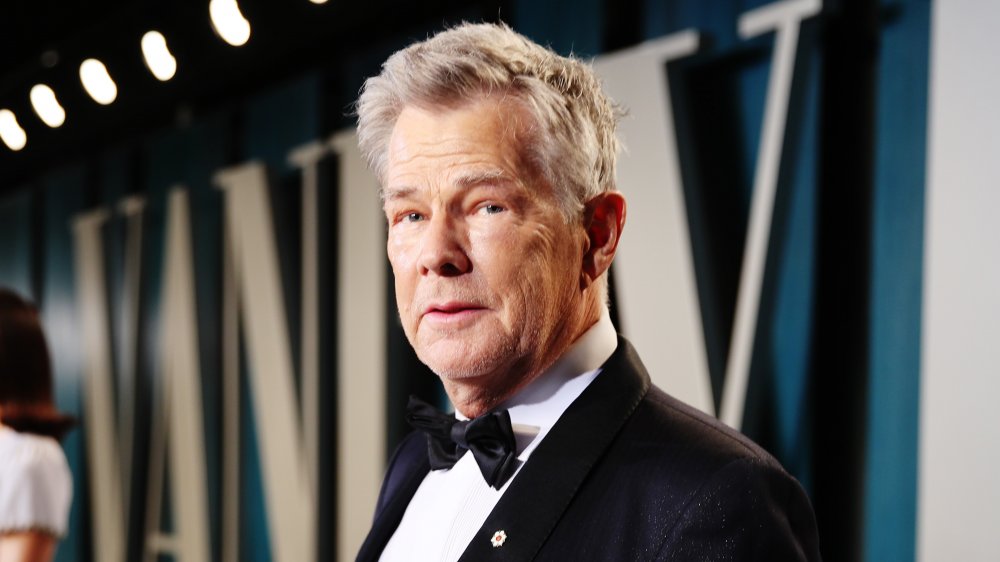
[498, 538]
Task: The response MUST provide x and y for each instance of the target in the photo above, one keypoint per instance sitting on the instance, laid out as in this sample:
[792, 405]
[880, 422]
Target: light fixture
[160, 62]
[228, 22]
[98, 83]
[10, 131]
[318, 1]
[43, 99]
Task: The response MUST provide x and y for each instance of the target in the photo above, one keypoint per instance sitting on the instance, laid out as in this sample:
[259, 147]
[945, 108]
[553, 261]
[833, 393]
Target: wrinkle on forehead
[516, 124]
[482, 148]
[514, 115]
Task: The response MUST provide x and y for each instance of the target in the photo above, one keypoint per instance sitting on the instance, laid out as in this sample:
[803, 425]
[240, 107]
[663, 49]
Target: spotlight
[318, 1]
[161, 63]
[98, 83]
[228, 22]
[43, 99]
[10, 132]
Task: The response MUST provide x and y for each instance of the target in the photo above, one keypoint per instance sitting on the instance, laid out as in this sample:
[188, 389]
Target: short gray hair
[575, 147]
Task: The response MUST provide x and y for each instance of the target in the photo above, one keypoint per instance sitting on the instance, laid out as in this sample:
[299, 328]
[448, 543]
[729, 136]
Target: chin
[456, 369]
[457, 361]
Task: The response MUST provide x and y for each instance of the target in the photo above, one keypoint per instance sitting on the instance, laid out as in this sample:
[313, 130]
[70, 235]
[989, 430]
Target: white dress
[36, 486]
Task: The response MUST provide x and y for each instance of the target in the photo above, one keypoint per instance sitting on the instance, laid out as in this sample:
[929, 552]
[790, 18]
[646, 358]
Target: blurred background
[810, 254]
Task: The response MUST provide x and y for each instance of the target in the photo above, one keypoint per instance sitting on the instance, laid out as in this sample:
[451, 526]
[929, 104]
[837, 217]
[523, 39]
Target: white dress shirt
[452, 504]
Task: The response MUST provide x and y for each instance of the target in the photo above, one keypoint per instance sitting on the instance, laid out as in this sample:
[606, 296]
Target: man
[496, 159]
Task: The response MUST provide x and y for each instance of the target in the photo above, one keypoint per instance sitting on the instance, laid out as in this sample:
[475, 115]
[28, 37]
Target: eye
[491, 209]
[412, 217]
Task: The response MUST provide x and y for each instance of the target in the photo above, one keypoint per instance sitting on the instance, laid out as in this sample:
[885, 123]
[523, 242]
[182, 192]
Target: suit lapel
[538, 496]
[413, 467]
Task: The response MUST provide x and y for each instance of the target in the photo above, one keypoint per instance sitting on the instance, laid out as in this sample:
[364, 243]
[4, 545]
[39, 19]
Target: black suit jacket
[628, 473]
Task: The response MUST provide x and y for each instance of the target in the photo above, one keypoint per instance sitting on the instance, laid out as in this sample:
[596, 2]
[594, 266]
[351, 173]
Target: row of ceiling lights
[227, 20]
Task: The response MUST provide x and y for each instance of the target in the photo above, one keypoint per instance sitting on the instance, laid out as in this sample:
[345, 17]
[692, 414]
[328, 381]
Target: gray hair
[574, 145]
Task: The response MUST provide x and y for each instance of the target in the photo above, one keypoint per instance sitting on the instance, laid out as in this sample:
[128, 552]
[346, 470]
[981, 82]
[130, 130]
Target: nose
[442, 250]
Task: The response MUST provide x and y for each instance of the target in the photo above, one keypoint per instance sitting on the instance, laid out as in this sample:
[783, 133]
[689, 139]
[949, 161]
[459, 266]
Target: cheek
[503, 257]
[556, 266]
[532, 265]
[544, 249]
[401, 253]
[403, 270]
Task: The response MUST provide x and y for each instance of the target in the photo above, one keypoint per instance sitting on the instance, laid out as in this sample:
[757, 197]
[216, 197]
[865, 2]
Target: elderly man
[497, 160]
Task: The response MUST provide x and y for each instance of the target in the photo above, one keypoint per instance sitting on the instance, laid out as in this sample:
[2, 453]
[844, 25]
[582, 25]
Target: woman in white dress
[36, 486]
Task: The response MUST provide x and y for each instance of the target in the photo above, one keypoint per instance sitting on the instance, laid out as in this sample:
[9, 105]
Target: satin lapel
[540, 493]
[388, 519]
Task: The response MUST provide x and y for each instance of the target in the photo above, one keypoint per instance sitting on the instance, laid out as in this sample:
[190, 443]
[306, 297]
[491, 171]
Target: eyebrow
[394, 193]
[475, 178]
[464, 181]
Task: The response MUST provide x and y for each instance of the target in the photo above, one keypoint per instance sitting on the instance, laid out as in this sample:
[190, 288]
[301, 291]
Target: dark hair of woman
[26, 403]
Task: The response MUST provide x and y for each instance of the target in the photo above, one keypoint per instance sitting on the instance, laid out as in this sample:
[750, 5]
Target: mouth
[452, 311]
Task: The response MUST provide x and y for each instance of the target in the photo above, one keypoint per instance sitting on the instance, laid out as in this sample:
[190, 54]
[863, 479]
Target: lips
[452, 307]
[452, 311]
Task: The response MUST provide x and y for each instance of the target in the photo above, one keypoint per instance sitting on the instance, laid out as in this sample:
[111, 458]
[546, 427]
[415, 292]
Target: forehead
[486, 132]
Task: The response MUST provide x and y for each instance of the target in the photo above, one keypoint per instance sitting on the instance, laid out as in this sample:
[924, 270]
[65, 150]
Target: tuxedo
[627, 473]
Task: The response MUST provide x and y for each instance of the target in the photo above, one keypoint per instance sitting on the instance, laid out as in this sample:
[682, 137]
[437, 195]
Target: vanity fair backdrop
[807, 252]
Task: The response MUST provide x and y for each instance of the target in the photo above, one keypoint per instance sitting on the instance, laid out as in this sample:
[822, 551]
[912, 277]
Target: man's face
[487, 269]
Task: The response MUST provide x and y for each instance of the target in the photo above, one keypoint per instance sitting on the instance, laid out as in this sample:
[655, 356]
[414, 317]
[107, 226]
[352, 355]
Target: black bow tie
[490, 437]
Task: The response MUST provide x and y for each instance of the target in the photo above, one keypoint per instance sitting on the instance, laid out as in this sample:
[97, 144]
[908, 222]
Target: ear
[603, 218]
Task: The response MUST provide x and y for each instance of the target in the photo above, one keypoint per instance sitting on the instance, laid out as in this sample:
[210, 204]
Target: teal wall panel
[896, 290]
[65, 194]
[795, 289]
[566, 26]
[16, 241]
